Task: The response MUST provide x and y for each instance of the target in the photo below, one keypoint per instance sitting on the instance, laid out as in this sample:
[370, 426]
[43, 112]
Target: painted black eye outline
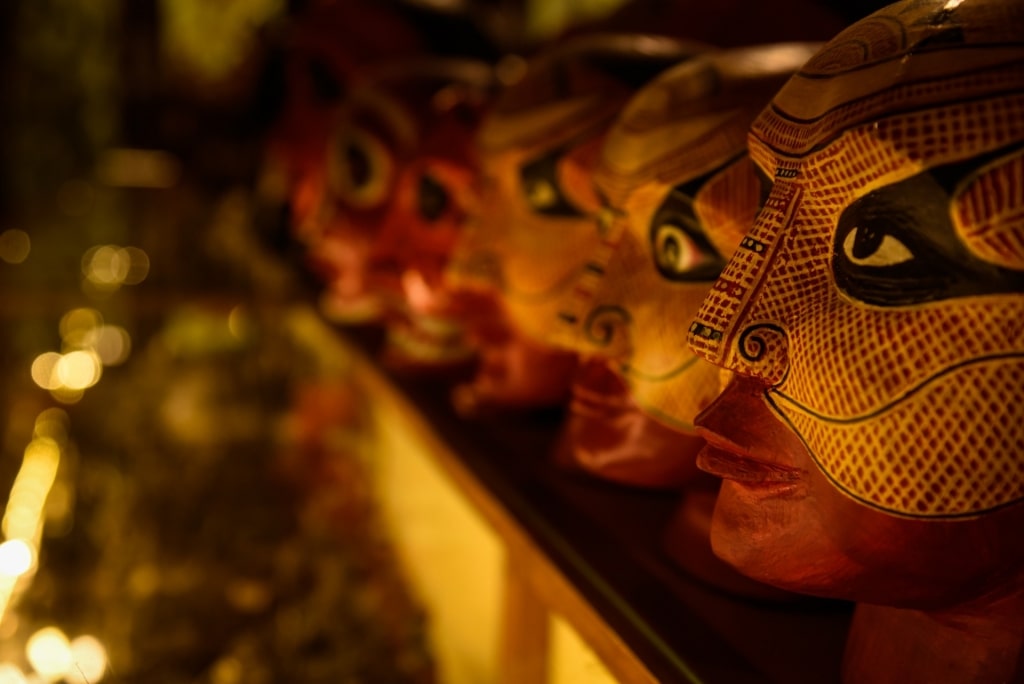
[679, 247]
[360, 168]
[432, 198]
[868, 246]
[542, 190]
[897, 246]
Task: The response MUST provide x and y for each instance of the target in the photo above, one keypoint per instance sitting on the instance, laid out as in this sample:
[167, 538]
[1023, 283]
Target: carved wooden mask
[874, 315]
[401, 176]
[679, 192]
[538, 146]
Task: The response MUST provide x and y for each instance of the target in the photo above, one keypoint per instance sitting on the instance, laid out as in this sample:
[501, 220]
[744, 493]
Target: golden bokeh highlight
[53, 423]
[88, 345]
[111, 343]
[11, 674]
[49, 653]
[66, 395]
[16, 557]
[23, 516]
[79, 321]
[44, 370]
[89, 659]
[79, 370]
[108, 267]
[15, 246]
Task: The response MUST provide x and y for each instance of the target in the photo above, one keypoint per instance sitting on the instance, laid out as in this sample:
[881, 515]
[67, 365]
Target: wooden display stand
[590, 553]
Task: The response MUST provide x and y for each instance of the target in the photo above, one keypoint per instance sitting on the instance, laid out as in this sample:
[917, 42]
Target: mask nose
[741, 325]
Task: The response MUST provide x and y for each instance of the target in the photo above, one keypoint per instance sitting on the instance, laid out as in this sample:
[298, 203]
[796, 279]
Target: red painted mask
[401, 177]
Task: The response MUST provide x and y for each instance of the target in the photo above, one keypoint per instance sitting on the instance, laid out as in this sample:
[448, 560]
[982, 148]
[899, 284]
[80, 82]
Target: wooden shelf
[591, 552]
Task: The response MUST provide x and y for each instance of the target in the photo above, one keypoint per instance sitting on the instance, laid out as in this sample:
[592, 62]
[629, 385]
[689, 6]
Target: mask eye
[896, 246]
[679, 254]
[674, 250]
[360, 169]
[541, 194]
[542, 190]
[866, 247]
[681, 250]
[433, 199]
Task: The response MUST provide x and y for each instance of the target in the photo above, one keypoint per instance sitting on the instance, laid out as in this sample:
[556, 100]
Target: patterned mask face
[878, 300]
[679, 194]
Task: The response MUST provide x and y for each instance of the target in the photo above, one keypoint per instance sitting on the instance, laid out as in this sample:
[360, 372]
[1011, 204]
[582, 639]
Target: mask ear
[988, 212]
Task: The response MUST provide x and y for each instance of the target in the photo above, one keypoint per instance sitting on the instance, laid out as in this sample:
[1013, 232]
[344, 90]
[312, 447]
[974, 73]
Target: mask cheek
[885, 461]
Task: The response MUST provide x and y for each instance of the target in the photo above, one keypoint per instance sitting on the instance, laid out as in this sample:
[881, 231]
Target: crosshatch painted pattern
[896, 404]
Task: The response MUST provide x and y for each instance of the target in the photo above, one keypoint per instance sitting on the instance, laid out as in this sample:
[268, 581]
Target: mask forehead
[680, 193]
[888, 337]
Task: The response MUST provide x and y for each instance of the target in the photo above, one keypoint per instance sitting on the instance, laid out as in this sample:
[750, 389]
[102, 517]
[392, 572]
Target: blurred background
[183, 468]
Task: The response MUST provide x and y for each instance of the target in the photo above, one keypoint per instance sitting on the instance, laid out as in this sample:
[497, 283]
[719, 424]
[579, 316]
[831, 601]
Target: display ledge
[592, 552]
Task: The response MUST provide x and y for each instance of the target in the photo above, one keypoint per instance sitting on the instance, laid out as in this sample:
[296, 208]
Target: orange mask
[679, 192]
[874, 315]
[530, 240]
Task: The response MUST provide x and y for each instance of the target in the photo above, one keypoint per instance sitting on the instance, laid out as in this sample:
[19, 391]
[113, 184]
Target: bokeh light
[108, 267]
[89, 660]
[11, 674]
[53, 423]
[49, 652]
[78, 370]
[138, 265]
[31, 486]
[15, 246]
[16, 557]
[79, 322]
[44, 370]
[111, 343]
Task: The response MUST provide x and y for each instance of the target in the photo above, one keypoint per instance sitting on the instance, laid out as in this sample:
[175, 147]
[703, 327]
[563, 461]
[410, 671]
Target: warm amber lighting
[106, 265]
[67, 396]
[89, 660]
[138, 265]
[16, 557]
[109, 266]
[111, 343]
[49, 653]
[44, 370]
[227, 671]
[136, 168]
[14, 246]
[79, 321]
[7, 583]
[78, 370]
[11, 674]
[52, 423]
[31, 486]
[239, 322]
